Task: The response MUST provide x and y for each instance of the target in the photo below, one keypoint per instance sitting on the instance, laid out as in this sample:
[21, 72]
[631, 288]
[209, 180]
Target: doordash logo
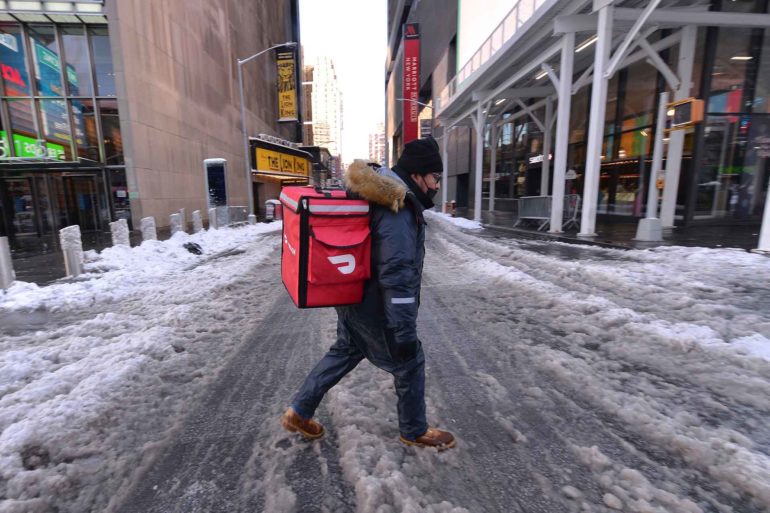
[348, 260]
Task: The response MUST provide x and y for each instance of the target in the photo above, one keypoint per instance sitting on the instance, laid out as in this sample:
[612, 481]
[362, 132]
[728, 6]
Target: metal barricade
[536, 208]
[571, 210]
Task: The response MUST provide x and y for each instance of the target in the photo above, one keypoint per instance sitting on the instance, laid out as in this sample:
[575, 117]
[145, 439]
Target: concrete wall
[176, 73]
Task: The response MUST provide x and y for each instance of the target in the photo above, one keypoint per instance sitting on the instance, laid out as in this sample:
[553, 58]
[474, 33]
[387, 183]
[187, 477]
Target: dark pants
[354, 343]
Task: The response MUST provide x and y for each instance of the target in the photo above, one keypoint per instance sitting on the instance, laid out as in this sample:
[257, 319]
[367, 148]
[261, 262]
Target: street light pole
[241, 62]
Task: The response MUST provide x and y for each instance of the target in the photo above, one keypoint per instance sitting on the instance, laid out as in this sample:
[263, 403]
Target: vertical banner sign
[287, 86]
[411, 81]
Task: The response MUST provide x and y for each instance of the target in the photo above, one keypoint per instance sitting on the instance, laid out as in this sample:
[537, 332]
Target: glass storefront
[725, 164]
[62, 151]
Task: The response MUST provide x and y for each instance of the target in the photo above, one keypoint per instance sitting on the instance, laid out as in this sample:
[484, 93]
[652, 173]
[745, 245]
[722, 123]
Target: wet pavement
[621, 235]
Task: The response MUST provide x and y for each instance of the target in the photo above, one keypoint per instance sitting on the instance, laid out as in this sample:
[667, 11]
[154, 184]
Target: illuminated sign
[13, 76]
[27, 147]
[537, 159]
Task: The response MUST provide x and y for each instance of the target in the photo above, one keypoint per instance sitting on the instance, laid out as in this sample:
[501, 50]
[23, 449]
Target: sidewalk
[621, 235]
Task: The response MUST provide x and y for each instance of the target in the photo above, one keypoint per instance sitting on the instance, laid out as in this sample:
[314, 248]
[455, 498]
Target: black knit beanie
[420, 157]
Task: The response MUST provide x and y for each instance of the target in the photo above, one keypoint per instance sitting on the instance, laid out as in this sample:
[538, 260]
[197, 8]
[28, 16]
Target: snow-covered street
[576, 379]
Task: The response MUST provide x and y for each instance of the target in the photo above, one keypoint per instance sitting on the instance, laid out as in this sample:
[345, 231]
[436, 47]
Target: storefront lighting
[741, 58]
[644, 133]
[18, 5]
[585, 44]
[670, 112]
[541, 75]
[501, 100]
[58, 6]
[81, 7]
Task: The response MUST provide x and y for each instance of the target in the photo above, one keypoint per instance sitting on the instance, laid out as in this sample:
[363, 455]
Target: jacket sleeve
[399, 277]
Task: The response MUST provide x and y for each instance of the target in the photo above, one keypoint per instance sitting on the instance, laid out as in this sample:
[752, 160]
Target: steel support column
[445, 170]
[676, 143]
[764, 234]
[596, 122]
[479, 122]
[492, 165]
[562, 130]
[545, 173]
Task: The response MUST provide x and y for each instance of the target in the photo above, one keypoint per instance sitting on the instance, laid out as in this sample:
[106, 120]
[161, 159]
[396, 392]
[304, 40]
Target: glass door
[18, 207]
[82, 205]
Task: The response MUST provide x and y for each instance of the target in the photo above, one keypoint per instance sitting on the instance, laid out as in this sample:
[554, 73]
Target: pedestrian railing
[538, 208]
[521, 13]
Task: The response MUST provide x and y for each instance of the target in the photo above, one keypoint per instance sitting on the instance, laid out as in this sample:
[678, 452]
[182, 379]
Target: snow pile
[150, 326]
[120, 271]
[460, 222]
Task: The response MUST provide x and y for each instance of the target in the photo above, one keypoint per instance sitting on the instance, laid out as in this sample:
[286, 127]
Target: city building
[307, 105]
[327, 106]
[109, 108]
[377, 144]
[493, 74]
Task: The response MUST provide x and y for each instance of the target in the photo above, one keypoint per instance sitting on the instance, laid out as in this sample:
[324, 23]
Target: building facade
[327, 106]
[109, 108]
[377, 144]
[307, 106]
[502, 104]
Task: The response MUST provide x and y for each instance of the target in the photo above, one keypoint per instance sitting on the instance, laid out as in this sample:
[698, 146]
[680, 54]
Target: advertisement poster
[287, 86]
[411, 81]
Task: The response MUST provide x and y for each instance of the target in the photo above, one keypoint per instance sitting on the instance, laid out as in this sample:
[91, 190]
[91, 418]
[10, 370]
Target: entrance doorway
[80, 202]
[17, 207]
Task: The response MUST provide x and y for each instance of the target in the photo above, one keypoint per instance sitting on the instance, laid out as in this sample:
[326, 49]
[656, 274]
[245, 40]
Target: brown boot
[433, 437]
[308, 428]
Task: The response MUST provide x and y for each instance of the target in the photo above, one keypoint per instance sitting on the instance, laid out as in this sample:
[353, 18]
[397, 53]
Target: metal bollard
[175, 220]
[212, 219]
[72, 247]
[119, 231]
[6, 264]
[149, 232]
[72, 263]
[252, 219]
[197, 221]
[183, 219]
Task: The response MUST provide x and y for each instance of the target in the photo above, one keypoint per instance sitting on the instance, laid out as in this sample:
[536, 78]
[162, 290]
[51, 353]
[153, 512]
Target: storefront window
[86, 137]
[22, 119]
[105, 78]
[56, 128]
[76, 54]
[728, 78]
[735, 167]
[639, 98]
[47, 63]
[578, 119]
[13, 62]
[113, 142]
[762, 94]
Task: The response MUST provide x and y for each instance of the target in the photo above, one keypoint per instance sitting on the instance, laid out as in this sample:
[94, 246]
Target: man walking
[383, 327]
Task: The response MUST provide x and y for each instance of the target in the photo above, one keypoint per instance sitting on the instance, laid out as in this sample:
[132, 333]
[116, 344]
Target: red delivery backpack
[326, 248]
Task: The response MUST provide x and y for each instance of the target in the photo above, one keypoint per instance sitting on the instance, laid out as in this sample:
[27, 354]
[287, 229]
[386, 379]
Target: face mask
[431, 193]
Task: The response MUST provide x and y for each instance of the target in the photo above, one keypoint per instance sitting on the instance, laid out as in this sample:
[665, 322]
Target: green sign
[28, 147]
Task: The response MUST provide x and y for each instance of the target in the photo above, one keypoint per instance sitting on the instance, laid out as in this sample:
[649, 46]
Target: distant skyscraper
[327, 106]
[307, 106]
[377, 144]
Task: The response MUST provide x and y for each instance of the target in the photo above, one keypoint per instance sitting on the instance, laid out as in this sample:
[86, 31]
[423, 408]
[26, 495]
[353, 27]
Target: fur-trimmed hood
[383, 188]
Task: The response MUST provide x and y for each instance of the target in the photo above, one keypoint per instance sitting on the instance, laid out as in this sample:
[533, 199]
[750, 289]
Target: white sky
[353, 34]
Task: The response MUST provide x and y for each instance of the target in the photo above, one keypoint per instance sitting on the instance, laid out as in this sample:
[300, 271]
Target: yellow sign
[287, 87]
[301, 166]
[271, 161]
[268, 161]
